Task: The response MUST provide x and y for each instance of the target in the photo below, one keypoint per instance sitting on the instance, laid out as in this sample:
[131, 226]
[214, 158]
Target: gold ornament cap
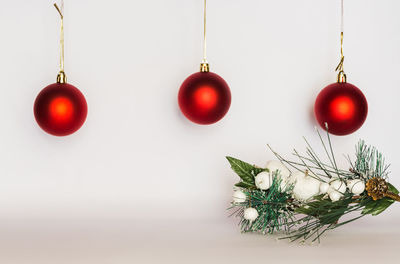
[204, 67]
[341, 78]
[61, 77]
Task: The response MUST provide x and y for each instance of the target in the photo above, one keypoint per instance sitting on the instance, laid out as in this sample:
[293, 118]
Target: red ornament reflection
[60, 109]
[204, 98]
[343, 107]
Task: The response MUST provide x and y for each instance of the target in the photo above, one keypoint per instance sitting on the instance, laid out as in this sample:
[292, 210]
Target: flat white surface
[126, 241]
[140, 182]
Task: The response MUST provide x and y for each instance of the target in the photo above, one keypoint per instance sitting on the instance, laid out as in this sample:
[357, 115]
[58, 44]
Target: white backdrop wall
[137, 156]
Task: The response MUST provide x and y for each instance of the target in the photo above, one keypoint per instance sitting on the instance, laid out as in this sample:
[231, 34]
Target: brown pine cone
[377, 188]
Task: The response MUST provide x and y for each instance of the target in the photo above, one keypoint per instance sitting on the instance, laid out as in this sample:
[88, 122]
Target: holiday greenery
[307, 197]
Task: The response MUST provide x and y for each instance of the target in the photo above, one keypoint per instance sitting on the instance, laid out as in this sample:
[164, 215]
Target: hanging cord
[204, 66]
[61, 78]
[205, 32]
[341, 76]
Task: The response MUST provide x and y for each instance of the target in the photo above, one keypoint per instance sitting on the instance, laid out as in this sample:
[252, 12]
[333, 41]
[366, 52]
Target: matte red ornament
[342, 106]
[60, 109]
[204, 98]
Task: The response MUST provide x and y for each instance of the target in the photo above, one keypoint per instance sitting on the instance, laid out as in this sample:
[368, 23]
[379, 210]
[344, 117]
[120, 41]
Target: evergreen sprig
[322, 215]
[369, 162]
[308, 220]
[273, 206]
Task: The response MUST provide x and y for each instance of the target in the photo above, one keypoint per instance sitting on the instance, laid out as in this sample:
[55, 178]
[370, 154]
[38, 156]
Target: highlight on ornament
[204, 97]
[60, 109]
[303, 199]
[342, 105]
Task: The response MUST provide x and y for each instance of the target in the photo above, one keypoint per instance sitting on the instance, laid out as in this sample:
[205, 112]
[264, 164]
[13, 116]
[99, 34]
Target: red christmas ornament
[60, 109]
[342, 106]
[204, 98]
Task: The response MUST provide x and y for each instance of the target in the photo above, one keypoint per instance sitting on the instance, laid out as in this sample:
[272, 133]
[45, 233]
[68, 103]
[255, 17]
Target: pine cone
[377, 188]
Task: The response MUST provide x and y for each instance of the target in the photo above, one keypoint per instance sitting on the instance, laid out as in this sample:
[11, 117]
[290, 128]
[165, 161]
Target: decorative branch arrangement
[315, 196]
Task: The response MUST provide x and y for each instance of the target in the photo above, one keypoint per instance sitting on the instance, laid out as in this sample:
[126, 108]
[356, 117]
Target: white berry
[297, 175]
[274, 165]
[250, 214]
[305, 187]
[337, 185]
[239, 197]
[323, 187]
[263, 180]
[335, 196]
[356, 186]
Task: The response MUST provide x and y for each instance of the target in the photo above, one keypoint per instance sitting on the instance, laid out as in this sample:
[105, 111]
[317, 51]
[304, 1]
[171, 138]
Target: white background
[138, 173]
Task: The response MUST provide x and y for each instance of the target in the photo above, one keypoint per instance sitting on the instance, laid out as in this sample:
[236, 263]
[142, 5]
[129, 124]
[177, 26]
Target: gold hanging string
[340, 66]
[204, 66]
[341, 76]
[61, 78]
[205, 32]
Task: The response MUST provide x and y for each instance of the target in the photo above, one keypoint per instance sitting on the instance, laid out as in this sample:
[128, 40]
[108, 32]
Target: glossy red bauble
[204, 98]
[60, 109]
[343, 107]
